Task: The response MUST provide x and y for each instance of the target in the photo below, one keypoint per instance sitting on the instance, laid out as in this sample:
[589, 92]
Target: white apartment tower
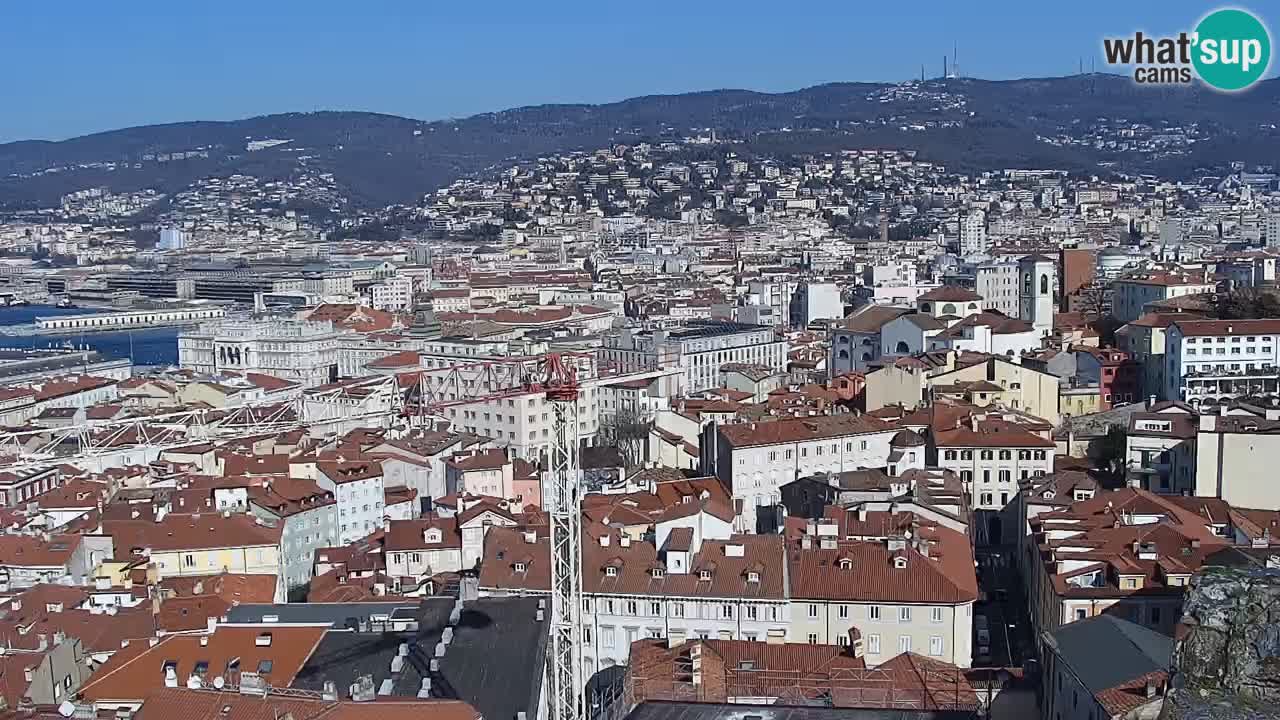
[1273, 230]
[973, 233]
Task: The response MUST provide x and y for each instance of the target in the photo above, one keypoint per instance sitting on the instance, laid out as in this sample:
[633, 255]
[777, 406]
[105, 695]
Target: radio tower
[561, 484]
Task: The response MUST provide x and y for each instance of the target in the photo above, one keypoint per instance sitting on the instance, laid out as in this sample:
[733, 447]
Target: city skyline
[175, 65]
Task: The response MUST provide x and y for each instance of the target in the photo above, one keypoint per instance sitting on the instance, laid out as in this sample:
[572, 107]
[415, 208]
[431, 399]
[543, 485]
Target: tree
[628, 431]
[1112, 451]
[1092, 302]
[730, 219]
[1247, 303]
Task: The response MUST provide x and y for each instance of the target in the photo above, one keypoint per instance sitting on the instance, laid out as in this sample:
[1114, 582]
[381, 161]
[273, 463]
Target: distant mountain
[966, 124]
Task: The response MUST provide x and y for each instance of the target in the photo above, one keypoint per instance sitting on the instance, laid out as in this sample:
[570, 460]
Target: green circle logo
[1232, 49]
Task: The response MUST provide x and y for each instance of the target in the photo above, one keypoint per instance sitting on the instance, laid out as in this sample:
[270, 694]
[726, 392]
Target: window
[586, 634]
[935, 645]
[813, 610]
[655, 608]
[606, 637]
[631, 608]
[966, 454]
[611, 571]
[1081, 613]
[904, 613]
[752, 612]
[842, 611]
[986, 476]
[966, 476]
[677, 610]
[1155, 616]
[873, 644]
[1005, 476]
[813, 638]
[949, 454]
[935, 614]
[873, 612]
[904, 643]
[1006, 454]
[987, 455]
[726, 611]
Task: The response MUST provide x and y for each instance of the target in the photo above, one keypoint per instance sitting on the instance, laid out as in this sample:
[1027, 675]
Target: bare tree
[628, 431]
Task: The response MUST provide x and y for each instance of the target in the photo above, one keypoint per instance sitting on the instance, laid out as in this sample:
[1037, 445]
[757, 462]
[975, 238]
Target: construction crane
[562, 500]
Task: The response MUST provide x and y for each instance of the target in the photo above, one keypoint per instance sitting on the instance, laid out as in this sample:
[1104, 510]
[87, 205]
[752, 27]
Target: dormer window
[658, 573]
[846, 564]
[520, 567]
[611, 571]
[900, 562]
[704, 574]
[753, 577]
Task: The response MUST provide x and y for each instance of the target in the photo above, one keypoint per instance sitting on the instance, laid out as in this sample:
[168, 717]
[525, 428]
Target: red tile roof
[634, 564]
[169, 703]
[789, 430]
[136, 671]
[865, 571]
[188, 532]
[950, 293]
[1197, 328]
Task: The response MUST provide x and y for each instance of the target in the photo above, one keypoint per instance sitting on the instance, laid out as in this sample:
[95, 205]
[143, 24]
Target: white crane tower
[562, 485]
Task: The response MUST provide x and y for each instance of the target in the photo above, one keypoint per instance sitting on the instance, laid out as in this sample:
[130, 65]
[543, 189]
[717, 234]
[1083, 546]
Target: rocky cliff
[1227, 661]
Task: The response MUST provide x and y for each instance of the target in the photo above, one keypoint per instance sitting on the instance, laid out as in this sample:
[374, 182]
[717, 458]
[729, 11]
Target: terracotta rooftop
[789, 430]
[277, 652]
[188, 532]
[169, 703]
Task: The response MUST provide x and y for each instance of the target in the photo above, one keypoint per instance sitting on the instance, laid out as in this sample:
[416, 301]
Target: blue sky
[81, 66]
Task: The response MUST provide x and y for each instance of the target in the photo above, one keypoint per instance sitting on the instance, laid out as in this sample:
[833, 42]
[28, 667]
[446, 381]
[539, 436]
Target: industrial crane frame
[562, 483]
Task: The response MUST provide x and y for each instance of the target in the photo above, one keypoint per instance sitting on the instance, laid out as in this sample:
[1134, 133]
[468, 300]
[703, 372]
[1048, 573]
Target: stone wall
[1227, 659]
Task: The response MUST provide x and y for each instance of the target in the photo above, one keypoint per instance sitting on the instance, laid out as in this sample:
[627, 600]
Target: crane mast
[563, 481]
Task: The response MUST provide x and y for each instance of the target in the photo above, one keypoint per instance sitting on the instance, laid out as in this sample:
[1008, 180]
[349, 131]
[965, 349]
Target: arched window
[924, 307]
[903, 348]
[843, 354]
[948, 309]
[866, 357]
[1044, 284]
[1026, 284]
